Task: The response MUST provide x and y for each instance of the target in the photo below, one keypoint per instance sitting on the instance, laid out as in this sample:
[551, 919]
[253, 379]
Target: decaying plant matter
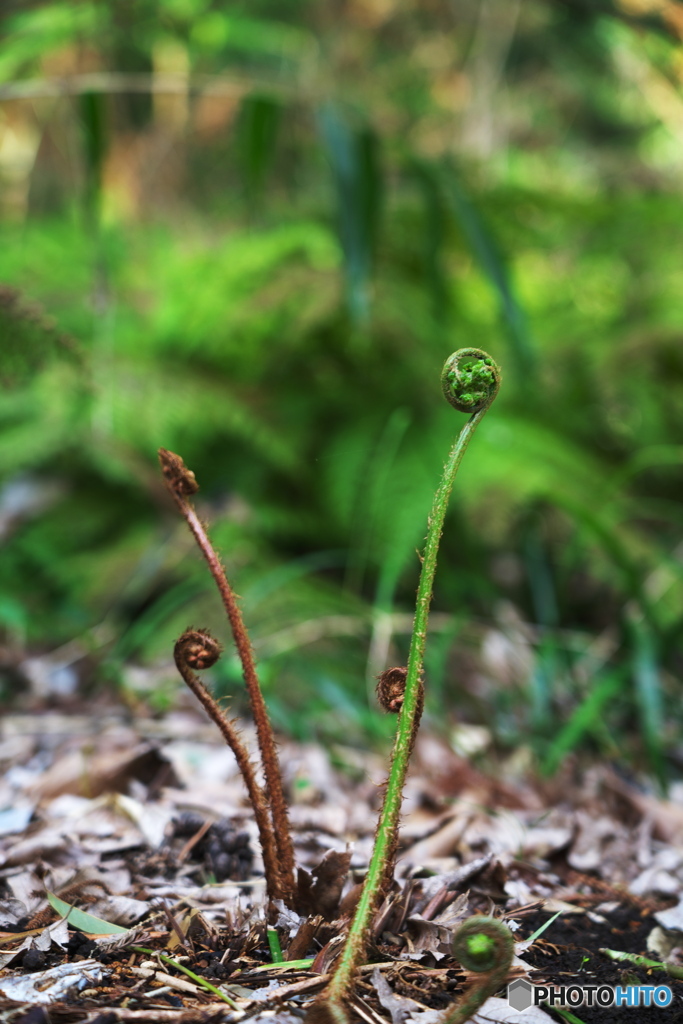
[470, 382]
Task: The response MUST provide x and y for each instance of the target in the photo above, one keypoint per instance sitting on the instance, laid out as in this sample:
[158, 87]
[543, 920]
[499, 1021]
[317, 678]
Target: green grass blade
[274, 946]
[539, 931]
[84, 922]
[198, 980]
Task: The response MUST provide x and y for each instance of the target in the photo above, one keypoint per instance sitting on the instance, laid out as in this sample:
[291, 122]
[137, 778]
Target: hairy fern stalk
[470, 381]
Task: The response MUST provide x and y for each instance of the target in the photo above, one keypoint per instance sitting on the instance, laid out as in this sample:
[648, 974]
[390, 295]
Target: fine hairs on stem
[276, 840]
[470, 381]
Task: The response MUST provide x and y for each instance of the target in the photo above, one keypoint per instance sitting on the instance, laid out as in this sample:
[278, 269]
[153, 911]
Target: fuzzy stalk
[199, 649]
[181, 483]
[484, 945]
[391, 688]
[470, 381]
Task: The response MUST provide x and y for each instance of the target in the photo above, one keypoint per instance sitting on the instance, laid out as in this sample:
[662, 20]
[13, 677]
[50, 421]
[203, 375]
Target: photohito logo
[522, 995]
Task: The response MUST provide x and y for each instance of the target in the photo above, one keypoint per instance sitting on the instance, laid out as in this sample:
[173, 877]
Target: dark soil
[568, 954]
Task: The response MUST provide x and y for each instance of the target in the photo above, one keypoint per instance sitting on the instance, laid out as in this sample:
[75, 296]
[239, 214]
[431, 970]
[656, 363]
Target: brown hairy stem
[181, 483]
[197, 649]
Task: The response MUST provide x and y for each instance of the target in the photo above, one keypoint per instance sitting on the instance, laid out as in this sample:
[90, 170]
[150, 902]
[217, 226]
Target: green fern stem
[470, 381]
[484, 945]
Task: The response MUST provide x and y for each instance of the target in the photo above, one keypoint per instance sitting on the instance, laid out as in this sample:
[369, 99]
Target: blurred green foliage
[264, 270]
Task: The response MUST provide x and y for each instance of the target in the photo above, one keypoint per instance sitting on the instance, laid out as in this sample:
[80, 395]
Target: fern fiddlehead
[484, 945]
[470, 381]
[182, 484]
[196, 649]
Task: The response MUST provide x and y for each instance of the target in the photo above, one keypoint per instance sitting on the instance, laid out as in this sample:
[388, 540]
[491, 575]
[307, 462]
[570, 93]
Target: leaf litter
[131, 880]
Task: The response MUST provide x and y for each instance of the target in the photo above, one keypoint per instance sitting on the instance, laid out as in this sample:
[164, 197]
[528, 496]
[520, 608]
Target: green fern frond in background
[264, 269]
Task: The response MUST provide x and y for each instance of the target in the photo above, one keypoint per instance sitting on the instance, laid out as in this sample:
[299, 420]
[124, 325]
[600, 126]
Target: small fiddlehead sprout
[196, 649]
[486, 946]
[470, 381]
[391, 688]
[180, 480]
[391, 691]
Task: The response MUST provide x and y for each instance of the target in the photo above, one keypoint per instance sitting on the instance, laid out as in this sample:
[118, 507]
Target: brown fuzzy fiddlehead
[197, 649]
[180, 480]
[390, 691]
[391, 688]
[484, 945]
[182, 484]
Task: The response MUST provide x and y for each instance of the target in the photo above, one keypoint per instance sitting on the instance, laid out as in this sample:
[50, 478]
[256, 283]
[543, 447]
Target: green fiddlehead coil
[470, 380]
[484, 945]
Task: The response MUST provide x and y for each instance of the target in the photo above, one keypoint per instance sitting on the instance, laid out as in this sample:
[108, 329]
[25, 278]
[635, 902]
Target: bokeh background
[252, 233]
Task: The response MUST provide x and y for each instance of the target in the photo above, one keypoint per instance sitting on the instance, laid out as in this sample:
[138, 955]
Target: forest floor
[142, 823]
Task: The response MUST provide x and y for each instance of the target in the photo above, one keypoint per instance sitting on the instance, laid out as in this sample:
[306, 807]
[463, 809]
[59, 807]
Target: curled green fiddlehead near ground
[484, 945]
[470, 380]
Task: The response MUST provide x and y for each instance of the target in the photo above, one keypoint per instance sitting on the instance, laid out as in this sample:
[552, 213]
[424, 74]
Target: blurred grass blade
[648, 696]
[256, 139]
[544, 927]
[612, 546]
[490, 259]
[581, 722]
[541, 686]
[434, 237]
[285, 575]
[371, 513]
[353, 155]
[539, 573]
[94, 147]
[144, 627]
